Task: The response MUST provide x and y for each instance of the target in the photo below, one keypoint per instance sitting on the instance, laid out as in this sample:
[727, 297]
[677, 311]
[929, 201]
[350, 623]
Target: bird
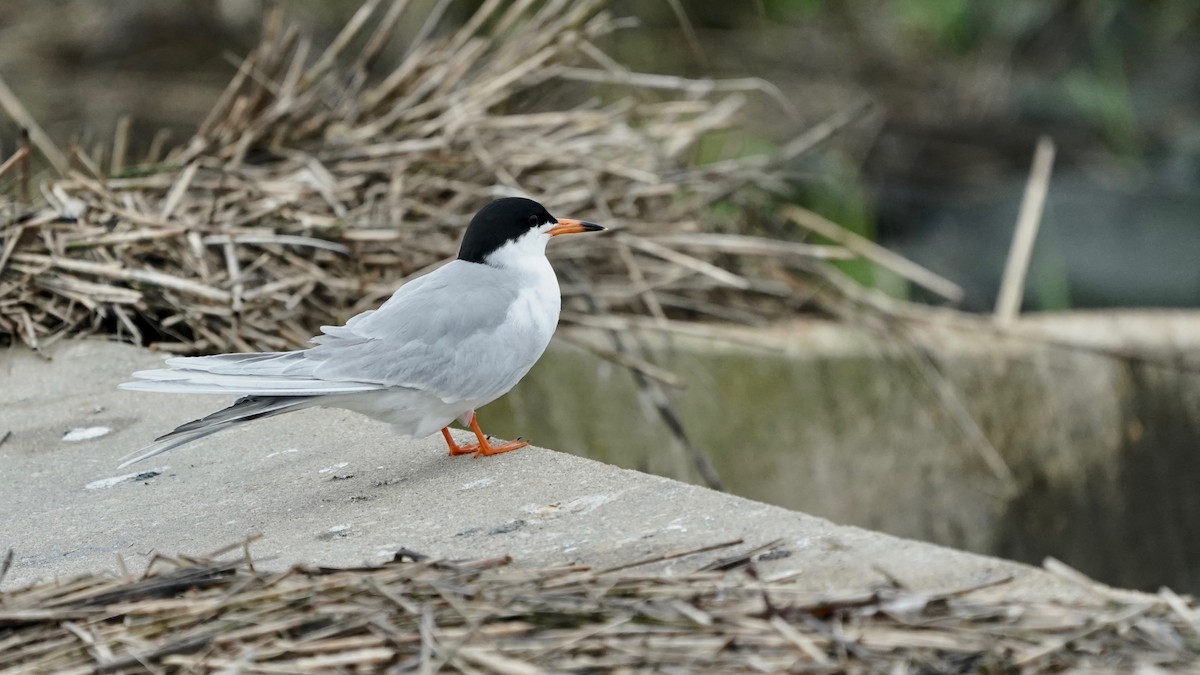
[442, 346]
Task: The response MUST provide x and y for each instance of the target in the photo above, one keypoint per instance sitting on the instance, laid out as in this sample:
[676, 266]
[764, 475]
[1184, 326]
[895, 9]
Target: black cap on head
[498, 223]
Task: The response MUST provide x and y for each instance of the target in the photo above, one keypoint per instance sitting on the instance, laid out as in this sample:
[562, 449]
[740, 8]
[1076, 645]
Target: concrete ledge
[334, 488]
[1096, 415]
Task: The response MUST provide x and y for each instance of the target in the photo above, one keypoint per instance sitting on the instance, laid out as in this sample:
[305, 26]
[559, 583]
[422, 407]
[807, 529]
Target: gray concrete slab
[335, 488]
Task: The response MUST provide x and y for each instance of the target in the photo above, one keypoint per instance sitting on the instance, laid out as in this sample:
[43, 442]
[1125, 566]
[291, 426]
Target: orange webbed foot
[486, 449]
[483, 448]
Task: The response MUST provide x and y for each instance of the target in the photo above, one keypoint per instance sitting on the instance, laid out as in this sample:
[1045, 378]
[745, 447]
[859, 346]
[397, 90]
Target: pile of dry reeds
[482, 616]
[320, 182]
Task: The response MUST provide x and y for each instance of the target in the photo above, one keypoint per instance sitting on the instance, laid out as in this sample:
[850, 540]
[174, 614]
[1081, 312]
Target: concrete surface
[335, 488]
[842, 422]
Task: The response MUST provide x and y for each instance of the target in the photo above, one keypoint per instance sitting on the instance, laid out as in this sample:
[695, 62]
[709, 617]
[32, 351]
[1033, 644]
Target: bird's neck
[533, 270]
[525, 259]
[525, 254]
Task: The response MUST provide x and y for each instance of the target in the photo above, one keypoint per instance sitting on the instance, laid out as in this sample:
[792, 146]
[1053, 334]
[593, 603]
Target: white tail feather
[196, 382]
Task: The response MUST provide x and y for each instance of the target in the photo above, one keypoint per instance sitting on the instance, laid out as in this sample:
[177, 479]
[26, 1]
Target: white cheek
[534, 243]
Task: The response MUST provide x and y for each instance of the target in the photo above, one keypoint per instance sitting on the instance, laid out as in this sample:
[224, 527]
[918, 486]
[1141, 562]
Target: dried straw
[413, 614]
[320, 182]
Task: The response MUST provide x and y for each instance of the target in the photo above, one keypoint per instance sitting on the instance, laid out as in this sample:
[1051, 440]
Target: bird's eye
[533, 221]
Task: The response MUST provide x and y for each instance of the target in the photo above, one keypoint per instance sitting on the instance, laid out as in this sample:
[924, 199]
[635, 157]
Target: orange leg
[486, 448]
[483, 447]
[455, 448]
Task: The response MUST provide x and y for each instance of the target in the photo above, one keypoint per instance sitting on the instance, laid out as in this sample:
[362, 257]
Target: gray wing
[443, 333]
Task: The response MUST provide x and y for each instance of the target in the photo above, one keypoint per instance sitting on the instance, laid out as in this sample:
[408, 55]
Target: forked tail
[245, 409]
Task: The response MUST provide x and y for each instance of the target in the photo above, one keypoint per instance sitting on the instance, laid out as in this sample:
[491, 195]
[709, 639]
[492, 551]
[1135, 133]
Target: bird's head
[514, 227]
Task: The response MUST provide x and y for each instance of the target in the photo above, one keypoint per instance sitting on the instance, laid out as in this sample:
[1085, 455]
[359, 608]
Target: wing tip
[143, 454]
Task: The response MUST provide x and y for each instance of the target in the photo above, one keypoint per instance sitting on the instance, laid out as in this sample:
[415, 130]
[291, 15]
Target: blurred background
[956, 95]
[962, 91]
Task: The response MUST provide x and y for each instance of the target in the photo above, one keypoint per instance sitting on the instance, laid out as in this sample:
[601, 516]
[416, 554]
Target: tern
[444, 345]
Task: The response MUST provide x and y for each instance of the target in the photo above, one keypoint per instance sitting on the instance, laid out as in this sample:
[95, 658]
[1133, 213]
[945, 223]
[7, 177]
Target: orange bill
[572, 226]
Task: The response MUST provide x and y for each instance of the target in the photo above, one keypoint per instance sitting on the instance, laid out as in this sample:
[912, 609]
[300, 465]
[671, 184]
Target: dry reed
[320, 182]
[484, 616]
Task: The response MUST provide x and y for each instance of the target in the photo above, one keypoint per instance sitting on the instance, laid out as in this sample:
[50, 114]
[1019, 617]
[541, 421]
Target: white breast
[533, 316]
[534, 313]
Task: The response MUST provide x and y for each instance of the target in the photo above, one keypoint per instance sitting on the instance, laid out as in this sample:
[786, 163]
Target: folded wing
[427, 336]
